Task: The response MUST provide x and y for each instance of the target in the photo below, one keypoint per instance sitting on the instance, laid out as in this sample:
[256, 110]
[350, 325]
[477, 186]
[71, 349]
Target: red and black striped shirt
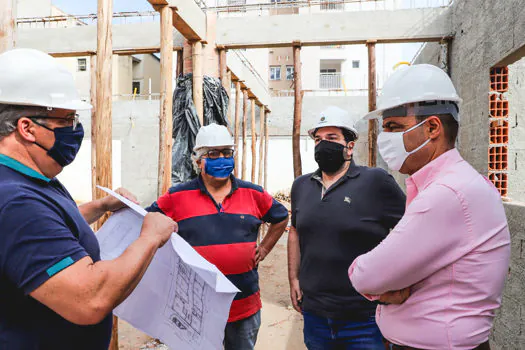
[225, 234]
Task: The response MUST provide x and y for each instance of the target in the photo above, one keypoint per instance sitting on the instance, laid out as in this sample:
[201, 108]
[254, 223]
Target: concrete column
[7, 24]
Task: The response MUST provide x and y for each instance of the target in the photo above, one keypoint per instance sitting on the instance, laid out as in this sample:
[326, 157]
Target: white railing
[322, 92]
[330, 80]
[63, 21]
[261, 7]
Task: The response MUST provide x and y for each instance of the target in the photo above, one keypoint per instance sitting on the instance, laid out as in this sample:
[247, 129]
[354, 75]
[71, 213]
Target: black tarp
[186, 123]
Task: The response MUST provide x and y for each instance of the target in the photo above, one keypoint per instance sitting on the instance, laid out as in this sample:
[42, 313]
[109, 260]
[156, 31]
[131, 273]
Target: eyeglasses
[215, 153]
[73, 121]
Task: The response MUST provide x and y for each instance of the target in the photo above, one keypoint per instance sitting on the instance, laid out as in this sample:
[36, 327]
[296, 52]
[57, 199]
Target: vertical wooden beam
[102, 123]
[166, 99]
[7, 24]
[93, 100]
[237, 124]
[297, 116]
[198, 80]
[226, 83]
[229, 89]
[254, 141]
[180, 63]
[244, 131]
[266, 140]
[261, 145]
[372, 96]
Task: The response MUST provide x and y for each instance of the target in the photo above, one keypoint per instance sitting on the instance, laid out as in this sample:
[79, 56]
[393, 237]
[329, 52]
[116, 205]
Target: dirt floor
[282, 326]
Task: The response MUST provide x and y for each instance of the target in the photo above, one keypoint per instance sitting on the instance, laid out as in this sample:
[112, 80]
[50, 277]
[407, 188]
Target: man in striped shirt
[220, 216]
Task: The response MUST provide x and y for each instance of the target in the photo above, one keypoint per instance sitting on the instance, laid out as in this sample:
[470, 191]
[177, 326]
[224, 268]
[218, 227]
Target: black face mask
[330, 156]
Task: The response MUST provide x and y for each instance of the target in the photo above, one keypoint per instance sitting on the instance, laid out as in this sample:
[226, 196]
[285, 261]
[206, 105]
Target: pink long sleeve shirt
[452, 247]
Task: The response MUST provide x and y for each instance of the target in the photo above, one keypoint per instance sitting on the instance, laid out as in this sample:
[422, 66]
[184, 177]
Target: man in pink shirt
[440, 272]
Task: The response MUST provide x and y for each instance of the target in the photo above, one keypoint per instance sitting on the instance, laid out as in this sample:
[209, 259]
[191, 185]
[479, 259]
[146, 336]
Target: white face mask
[392, 147]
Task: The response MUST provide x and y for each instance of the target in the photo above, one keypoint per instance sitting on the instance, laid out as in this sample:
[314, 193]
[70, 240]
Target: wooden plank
[261, 145]
[254, 141]
[102, 123]
[266, 140]
[244, 131]
[7, 24]
[180, 63]
[166, 101]
[182, 27]
[229, 90]
[372, 97]
[93, 98]
[297, 115]
[339, 42]
[238, 100]
[198, 80]
[121, 52]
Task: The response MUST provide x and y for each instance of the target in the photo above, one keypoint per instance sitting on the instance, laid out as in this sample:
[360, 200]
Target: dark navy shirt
[41, 233]
[337, 225]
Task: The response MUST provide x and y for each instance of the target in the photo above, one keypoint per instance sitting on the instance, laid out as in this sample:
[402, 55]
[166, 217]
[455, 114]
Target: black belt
[484, 346]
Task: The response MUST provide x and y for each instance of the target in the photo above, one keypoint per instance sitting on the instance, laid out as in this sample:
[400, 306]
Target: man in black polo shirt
[338, 213]
[55, 293]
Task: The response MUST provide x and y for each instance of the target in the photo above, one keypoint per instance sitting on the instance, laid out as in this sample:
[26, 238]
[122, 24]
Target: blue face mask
[220, 167]
[67, 143]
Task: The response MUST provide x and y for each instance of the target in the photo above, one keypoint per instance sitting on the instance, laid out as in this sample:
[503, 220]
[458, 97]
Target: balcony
[330, 80]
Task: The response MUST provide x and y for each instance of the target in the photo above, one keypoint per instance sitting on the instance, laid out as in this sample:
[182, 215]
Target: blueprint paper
[183, 299]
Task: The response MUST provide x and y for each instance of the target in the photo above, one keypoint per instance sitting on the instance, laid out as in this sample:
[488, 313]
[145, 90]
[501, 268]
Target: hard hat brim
[196, 148]
[353, 131]
[378, 113]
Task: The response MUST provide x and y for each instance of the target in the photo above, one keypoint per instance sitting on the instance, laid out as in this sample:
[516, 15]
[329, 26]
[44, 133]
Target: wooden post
[7, 24]
[372, 96]
[237, 123]
[229, 89]
[261, 145]
[101, 123]
[266, 140]
[180, 63]
[166, 100]
[244, 130]
[226, 83]
[297, 116]
[93, 98]
[254, 141]
[198, 80]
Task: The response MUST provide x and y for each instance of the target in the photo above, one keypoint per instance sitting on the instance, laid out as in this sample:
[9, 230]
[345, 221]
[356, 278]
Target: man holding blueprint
[55, 293]
[220, 215]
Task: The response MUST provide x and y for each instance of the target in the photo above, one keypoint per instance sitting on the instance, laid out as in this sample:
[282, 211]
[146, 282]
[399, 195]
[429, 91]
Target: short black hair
[347, 134]
[450, 125]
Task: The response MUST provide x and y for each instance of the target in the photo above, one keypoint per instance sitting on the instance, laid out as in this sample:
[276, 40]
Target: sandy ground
[282, 326]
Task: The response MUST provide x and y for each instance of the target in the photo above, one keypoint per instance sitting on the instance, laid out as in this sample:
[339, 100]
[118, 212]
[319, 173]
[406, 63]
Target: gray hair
[9, 115]
[197, 155]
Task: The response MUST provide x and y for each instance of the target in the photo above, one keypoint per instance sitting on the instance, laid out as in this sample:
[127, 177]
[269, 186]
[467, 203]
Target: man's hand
[296, 295]
[158, 227]
[395, 297]
[112, 204]
[260, 254]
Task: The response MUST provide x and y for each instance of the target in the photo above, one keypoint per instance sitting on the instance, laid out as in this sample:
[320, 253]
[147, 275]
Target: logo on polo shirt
[348, 200]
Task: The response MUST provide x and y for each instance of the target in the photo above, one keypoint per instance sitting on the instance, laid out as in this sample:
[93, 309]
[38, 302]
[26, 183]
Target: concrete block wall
[486, 33]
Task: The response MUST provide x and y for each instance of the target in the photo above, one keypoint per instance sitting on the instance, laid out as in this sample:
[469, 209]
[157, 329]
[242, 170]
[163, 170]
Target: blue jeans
[321, 333]
[242, 334]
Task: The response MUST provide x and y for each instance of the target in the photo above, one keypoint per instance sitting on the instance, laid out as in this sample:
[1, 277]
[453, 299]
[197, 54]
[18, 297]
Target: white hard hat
[417, 83]
[30, 77]
[213, 135]
[335, 116]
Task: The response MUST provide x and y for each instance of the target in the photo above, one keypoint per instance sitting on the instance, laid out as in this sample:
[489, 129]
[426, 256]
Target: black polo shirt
[41, 233]
[336, 226]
